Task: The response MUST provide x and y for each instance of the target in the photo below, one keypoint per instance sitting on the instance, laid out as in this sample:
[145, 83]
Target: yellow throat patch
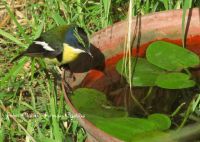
[69, 54]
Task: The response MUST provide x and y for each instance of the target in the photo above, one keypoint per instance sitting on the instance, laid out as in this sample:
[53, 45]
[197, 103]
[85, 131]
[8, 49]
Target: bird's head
[77, 38]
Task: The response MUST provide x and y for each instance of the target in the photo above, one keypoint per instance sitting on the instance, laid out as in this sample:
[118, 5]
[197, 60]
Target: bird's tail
[17, 57]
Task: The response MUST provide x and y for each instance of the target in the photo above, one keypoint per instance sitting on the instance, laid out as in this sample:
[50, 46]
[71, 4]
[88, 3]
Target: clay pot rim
[169, 12]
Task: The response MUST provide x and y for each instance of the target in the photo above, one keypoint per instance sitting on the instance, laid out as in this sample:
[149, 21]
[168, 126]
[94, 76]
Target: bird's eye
[78, 37]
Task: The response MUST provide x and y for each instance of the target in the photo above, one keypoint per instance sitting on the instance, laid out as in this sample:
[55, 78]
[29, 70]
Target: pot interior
[159, 101]
[108, 49]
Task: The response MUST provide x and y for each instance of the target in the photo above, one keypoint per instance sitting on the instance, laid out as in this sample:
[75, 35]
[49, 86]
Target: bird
[59, 45]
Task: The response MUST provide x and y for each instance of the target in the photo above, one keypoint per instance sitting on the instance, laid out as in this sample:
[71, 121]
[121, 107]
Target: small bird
[60, 45]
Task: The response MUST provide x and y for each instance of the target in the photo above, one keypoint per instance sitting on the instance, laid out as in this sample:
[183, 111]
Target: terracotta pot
[110, 41]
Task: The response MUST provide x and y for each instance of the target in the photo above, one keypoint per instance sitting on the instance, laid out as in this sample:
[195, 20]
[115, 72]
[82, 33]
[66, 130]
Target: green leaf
[126, 128]
[145, 74]
[123, 128]
[170, 56]
[153, 136]
[174, 81]
[162, 121]
[90, 101]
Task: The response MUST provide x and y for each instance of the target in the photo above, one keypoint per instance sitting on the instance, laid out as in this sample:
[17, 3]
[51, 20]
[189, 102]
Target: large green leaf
[170, 56]
[144, 74]
[113, 121]
[152, 136]
[162, 121]
[126, 128]
[174, 81]
[91, 101]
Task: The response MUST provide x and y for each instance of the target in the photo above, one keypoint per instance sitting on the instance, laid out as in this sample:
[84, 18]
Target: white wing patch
[44, 45]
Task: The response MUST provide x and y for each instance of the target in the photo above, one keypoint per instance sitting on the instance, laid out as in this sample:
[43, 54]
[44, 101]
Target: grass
[32, 106]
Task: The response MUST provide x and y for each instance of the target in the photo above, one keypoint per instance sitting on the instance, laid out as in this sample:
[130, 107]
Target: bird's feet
[68, 88]
[66, 77]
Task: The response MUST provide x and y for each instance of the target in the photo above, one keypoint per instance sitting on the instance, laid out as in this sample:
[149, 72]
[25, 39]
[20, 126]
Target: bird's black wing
[38, 50]
[35, 50]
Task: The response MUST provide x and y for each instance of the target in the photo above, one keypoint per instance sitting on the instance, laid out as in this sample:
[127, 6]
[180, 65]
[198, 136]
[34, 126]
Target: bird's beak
[89, 53]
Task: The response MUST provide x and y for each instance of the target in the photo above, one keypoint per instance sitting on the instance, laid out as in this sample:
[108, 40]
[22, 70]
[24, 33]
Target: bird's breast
[69, 54]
